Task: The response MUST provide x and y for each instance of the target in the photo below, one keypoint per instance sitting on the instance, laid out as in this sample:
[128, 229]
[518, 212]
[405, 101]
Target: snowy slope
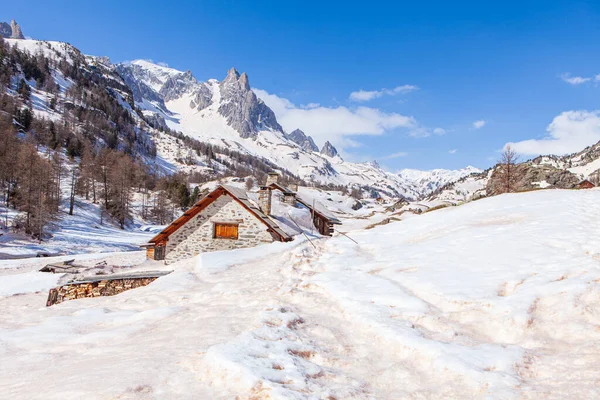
[429, 181]
[429, 307]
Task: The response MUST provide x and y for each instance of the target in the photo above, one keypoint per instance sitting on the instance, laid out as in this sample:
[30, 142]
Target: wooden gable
[197, 208]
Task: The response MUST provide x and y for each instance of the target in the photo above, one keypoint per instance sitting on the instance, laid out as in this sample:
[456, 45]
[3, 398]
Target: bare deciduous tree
[508, 168]
[249, 183]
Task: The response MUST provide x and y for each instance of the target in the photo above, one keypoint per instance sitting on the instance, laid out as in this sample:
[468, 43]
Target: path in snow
[497, 299]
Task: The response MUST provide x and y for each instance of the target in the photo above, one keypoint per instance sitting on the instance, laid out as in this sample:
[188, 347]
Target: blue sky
[428, 71]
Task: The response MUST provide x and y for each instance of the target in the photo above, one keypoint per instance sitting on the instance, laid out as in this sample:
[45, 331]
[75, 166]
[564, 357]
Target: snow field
[495, 299]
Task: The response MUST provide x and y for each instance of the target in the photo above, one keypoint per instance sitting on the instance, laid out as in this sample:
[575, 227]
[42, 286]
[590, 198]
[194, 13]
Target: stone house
[225, 219]
[228, 219]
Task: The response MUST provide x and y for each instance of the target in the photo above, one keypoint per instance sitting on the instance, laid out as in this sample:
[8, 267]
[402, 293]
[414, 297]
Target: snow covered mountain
[223, 113]
[429, 181]
[229, 113]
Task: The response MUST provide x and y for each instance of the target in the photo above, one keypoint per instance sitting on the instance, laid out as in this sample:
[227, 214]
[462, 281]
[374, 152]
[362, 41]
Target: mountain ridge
[226, 113]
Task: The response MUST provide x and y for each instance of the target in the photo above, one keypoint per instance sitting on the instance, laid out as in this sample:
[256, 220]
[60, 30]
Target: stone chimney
[272, 177]
[264, 199]
[293, 187]
[289, 198]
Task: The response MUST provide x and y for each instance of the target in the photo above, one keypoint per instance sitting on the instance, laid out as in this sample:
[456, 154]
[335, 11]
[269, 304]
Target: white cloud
[453, 151]
[363, 95]
[479, 124]
[335, 124]
[395, 155]
[367, 95]
[439, 131]
[576, 80]
[310, 105]
[569, 132]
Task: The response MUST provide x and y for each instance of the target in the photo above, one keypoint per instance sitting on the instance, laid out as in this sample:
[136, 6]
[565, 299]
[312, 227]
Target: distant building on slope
[585, 184]
[227, 218]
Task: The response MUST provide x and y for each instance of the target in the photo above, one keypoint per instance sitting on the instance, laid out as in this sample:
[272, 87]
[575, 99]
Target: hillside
[542, 172]
[428, 307]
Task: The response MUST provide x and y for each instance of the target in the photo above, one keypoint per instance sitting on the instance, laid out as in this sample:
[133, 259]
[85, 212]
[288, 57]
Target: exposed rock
[243, 111]
[305, 142]
[130, 74]
[12, 30]
[397, 205]
[328, 150]
[156, 121]
[5, 30]
[357, 205]
[176, 86]
[16, 32]
[528, 175]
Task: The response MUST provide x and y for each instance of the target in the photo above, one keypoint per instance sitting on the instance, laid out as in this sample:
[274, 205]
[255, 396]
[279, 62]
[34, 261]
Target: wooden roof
[236, 194]
[586, 183]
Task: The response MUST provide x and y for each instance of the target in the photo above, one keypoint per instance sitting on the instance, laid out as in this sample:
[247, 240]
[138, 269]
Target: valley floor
[496, 299]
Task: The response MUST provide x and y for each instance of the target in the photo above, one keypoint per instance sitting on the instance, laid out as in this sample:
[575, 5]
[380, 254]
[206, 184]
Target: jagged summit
[232, 74]
[301, 139]
[373, 164]
[244, 83]
[328, 150]
[243, 111]
[12, 30]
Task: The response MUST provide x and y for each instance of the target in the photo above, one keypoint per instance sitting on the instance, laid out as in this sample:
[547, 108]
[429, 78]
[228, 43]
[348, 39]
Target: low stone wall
[107, 287]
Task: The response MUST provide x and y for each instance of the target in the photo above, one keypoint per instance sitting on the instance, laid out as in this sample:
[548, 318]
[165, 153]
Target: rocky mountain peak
[244, 83]
[305, 142]
[328, 150]
[232, 75]
[16, 30]
[242, 109]
[373, 164]
[12, 30]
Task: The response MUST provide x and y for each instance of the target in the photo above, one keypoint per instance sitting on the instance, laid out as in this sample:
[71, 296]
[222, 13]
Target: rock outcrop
[138, 87]
[12, 30]
[305, 142]
[328, 150]
[243, 111]
[16, 32]
[529, 176]
[203, 97]
[176, 86]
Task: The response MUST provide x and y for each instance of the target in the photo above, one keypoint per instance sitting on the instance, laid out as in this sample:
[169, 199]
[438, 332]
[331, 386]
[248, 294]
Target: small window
[226, 231]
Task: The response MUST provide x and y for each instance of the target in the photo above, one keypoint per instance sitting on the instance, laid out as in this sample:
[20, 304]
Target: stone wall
[109, 287]
[196, 236]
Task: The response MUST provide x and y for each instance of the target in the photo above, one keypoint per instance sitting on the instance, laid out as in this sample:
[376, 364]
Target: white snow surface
[494, 299]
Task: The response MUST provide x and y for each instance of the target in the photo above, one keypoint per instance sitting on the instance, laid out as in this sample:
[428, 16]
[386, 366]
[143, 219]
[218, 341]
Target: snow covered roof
[112, 277]
[238, 195]
[242, 196]
[314, 205]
